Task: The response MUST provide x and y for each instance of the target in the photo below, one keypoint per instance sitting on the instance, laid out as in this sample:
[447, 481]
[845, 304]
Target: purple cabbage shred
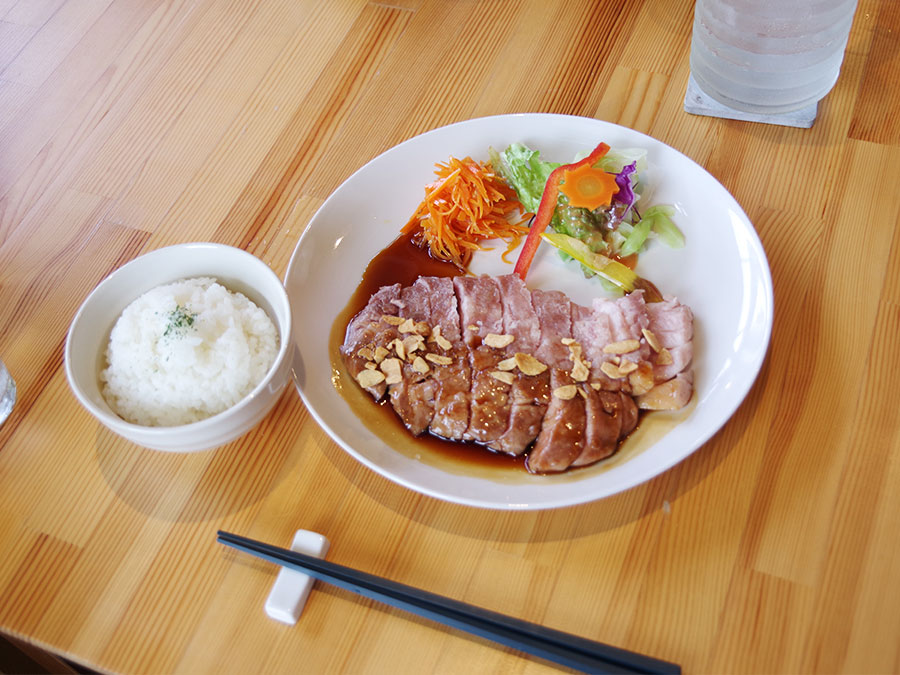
[625, 195]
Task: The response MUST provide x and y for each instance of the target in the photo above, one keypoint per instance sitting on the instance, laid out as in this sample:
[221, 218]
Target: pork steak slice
[530, 391]
[454, 381]
[367, 331]
[561, 439]
[413, 396]
[481, 316]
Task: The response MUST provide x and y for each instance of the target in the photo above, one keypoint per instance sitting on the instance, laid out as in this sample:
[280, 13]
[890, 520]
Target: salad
[588, 210]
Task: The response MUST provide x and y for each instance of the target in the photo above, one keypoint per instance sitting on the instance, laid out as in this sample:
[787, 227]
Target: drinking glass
[7, 393]
[769, 56]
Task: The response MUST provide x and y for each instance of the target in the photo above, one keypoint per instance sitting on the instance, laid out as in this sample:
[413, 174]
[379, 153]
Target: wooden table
[126, 125]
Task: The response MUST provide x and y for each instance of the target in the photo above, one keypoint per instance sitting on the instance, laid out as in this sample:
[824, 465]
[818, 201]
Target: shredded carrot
[588, 187]
[466, 205]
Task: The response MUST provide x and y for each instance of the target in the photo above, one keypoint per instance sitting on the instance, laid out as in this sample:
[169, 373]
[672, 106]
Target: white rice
[185, 351]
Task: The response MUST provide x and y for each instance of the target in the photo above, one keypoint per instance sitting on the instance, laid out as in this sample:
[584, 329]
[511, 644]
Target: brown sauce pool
[403, 262]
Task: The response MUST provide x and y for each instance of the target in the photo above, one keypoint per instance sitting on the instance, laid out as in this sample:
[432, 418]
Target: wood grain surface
[127, 125]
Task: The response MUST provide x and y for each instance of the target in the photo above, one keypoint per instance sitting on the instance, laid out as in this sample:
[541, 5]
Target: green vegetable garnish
[660, 217]
[179, 321]
[635, 239]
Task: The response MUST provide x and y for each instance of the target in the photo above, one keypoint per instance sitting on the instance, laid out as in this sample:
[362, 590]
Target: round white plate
[722, 274]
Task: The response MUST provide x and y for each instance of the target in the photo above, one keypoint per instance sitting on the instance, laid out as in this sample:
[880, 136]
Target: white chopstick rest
[291, 588]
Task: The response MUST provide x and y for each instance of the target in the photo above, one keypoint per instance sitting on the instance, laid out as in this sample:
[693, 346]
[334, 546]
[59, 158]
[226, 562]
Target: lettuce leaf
[525, 171]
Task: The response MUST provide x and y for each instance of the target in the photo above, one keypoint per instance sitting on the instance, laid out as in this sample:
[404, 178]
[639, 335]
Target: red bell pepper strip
[546, 208]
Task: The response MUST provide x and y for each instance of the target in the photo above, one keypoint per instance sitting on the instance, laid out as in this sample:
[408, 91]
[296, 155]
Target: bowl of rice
[182, 349]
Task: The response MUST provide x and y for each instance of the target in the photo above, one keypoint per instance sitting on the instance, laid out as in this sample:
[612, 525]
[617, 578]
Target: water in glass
[7, 393]
[769, 56]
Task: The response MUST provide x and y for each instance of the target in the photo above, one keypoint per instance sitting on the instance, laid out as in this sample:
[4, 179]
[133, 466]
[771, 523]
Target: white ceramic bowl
[88, 336]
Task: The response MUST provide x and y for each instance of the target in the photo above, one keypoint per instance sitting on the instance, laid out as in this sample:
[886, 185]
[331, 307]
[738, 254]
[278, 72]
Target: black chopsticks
[562, 648]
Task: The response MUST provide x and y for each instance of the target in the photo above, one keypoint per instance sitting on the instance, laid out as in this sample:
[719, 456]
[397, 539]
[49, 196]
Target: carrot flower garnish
[588, 187]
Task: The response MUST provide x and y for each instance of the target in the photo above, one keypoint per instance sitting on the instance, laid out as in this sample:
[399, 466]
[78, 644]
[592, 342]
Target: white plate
[722, 274]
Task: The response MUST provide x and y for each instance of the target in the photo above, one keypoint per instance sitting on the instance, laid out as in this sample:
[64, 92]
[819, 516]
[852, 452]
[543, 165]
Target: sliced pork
[486, 360]
[672, 324]
[413, 397]
[481, 318]
[529, 391]
[451, 404]
[368, 330]
[561, 438]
